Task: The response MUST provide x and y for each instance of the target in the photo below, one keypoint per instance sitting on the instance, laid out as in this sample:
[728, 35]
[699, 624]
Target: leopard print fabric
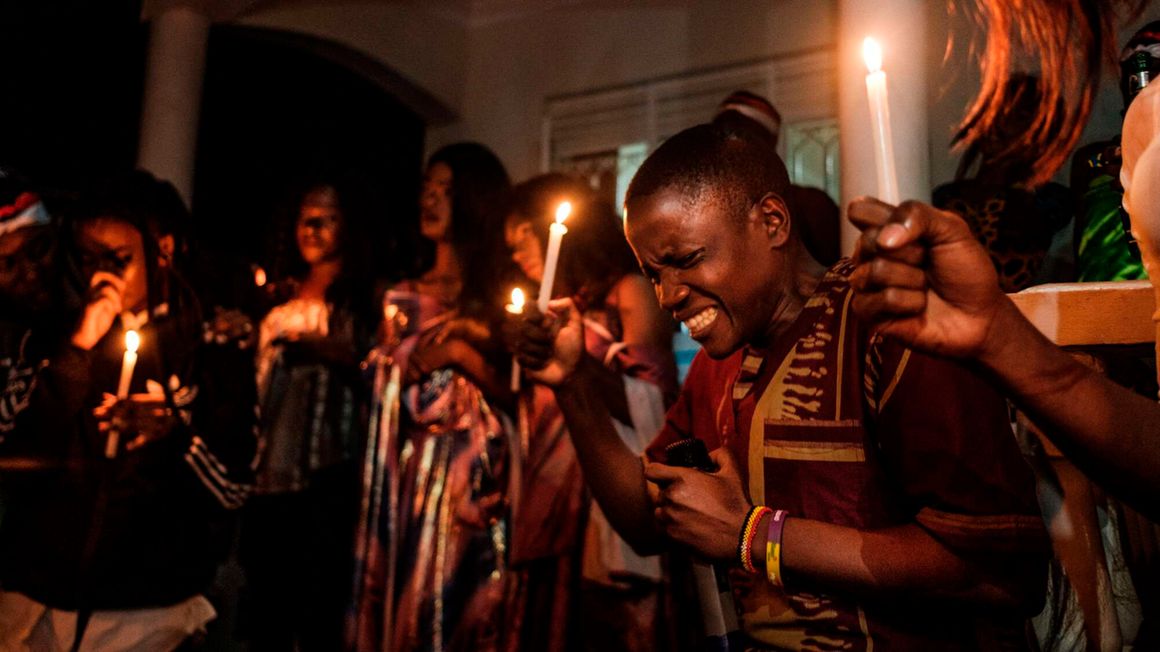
[1015, 226]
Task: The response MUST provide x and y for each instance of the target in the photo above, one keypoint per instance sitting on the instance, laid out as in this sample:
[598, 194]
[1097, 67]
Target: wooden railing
[1091, 314]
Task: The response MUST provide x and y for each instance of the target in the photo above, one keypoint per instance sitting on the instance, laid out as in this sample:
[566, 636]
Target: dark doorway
[275, 118]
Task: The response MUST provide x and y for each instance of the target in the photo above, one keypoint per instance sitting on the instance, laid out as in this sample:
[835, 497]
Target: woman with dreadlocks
[115, 541]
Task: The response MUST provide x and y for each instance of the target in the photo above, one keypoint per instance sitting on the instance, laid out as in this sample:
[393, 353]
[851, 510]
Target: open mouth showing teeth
[701, 321]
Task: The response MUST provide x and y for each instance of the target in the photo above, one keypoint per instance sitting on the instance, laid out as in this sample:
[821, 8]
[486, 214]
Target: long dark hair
[480, 193]
[595, 254]
[354, 288]
[1072, 42]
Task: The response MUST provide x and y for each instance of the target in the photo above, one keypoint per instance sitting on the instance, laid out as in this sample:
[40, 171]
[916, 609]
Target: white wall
[516, 63]
[425, 45]
[496, 71]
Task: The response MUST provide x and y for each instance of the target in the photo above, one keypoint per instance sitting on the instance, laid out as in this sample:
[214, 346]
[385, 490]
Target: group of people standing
[486, 538]
[400, 485]
[476, 532]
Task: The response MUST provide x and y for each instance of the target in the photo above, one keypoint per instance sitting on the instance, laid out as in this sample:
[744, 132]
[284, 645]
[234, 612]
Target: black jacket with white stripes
[148, 527]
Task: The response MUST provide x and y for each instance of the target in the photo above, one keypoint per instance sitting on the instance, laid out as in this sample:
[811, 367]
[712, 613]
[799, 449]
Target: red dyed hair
[1070, 43]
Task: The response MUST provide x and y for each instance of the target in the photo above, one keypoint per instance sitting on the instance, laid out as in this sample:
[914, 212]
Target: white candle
[516, 307]
[880, 122]
[555, 235]
[132, 341]
[391, 337]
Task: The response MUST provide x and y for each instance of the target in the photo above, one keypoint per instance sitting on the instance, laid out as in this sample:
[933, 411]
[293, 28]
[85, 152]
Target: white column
[172, 100]
[900, 26]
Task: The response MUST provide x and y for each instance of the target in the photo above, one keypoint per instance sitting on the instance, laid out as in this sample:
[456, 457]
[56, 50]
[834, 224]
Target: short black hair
[716, 159]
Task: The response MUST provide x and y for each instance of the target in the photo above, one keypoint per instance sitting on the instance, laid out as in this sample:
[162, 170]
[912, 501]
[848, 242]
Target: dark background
[273, 118]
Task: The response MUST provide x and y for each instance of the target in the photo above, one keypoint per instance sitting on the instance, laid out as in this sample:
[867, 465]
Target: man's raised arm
[928, 283]
[551, 348]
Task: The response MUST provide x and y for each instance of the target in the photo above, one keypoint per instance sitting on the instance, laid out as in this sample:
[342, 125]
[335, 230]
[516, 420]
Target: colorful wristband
[748, 532]
[773, 547]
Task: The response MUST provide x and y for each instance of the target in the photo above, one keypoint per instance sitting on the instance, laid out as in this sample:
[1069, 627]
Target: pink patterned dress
[434, 557]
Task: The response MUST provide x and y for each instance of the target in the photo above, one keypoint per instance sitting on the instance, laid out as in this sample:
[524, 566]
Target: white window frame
[802, 85]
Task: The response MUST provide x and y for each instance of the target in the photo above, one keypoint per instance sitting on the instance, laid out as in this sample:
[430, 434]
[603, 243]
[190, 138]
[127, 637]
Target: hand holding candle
[880, 122]
[516, 307]
[555, 236]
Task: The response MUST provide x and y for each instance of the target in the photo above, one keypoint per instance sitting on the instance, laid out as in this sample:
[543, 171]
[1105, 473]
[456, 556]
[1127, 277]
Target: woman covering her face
[120, 541]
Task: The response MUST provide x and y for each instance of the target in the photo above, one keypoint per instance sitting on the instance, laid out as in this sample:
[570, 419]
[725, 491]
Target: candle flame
[872, 54]
[518, 299]
[259, 276]
[563, 211]
[132, 341]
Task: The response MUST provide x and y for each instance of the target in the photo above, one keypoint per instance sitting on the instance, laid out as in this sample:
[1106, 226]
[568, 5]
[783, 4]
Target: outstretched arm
[554, 354]
[924, 280]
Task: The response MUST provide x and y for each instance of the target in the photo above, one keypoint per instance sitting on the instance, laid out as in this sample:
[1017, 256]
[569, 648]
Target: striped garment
[19, 381]
[833, 425]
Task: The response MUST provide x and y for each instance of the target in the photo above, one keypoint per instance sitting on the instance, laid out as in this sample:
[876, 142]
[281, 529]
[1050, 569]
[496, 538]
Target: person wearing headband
[34, 294]
[26, 241]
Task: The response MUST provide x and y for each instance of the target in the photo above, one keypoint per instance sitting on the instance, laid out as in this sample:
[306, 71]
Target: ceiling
[468, 11]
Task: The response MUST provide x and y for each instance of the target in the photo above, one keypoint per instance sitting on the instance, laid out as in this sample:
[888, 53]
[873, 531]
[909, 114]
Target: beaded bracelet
[745, 544]
[773, 547]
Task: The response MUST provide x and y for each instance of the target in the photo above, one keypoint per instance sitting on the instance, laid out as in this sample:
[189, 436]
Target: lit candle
[391, 325]
[555, 235]
[259, 276]
[132, 341]
[880, 122]
[516, 307]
